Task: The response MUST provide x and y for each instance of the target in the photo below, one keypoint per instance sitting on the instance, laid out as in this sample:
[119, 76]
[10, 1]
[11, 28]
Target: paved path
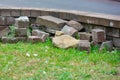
[99, 6]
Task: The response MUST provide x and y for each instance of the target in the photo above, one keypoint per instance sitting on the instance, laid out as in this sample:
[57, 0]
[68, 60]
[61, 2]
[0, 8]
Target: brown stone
[59, 33]
[75, 25]
[10, 20]
[5, 12]
[69, 30]
[34, 39]
[98, 35]
[35, 13]
[25, 13]
[84, 45]
[15, 13]
[51, 22]
[20, 32]
[85, 36]
[22, 22]
[2, 20]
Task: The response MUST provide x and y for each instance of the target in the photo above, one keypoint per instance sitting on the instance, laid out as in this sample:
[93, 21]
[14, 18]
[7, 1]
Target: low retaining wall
[110, 23]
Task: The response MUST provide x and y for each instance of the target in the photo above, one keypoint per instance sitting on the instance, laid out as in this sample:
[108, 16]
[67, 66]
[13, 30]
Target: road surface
[99, 6]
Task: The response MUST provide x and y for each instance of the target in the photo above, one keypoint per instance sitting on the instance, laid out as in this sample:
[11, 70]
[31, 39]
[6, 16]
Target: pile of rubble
[64, 34]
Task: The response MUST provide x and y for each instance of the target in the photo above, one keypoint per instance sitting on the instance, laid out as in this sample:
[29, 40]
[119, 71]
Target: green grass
[43, 61]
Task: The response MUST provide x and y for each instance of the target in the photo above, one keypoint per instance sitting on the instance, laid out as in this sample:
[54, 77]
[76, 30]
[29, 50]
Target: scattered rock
[59, 33]
[75, 25]
[98, 35]
[51, 22]
[85, 36]
[20, 32]
[84, 45]
[69, 30]
[22, 22]
[65, 41]
[108, 45]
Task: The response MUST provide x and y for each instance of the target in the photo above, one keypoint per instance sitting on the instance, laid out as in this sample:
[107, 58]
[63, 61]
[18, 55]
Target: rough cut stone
[65, 41]
[59, 33]
[9, 40]
[69, 30]
[34, 39]
[114, 32]
[4, 31]
[108, 45]
[98, 35]
[75, 25]
[41, 34]
[51, 22]
[22, 22]
[84, 45]
[116, 42]
[10, 20]
[85, 36]
[2, 20]
[20, 32]
[34, 26]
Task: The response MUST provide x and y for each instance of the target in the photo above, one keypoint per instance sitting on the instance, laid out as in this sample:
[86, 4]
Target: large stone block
[116, 42]
[4, 30]
[51, 22]
[15, 13]
[75, 25]
[25, 13]
[35, 13]
[65, 41]
[85, 36]
[114, 32]
[20, 32]
[6, 12]
[84, 45]
[69, 30]
[41, 34]
[98, 35]
[22, 22]
[108, 45]
[2, 20]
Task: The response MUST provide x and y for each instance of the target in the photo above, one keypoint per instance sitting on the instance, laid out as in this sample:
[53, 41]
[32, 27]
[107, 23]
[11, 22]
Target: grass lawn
[43, 61]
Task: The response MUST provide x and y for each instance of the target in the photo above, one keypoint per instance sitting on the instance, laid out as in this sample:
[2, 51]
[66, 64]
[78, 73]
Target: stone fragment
[51, 31]
[4, 30]
[98, 35]
[51, 22]
[116, 42]
[20, 32]
[108, 45]
[22, 22]
[85, 36]
[34, 26]
[41, 34]
[69, 30]
[10, 20]
[84, 45]
[2, 20]
[34, 39]
[65, 41]
[59, 33]
[75, 25]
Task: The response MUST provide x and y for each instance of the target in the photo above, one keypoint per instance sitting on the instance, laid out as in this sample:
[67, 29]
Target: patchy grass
[43, 61]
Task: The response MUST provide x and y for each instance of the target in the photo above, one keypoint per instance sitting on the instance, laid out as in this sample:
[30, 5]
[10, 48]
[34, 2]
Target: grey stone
[65, 41]
[108, 45]
[69, 30]
[20, 32]
[98, 35]
[34, 39]
[10, 20]
[51, 22]
[75, 25]
[116, 42]
[2, 20]
[84, 45]
[9, 40]
[22, 22]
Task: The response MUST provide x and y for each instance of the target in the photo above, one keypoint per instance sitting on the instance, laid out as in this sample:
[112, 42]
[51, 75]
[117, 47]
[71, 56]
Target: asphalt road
[99, 6]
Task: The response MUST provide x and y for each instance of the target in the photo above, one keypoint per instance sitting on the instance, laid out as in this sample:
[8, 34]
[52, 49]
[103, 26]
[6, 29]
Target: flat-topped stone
[51, 22]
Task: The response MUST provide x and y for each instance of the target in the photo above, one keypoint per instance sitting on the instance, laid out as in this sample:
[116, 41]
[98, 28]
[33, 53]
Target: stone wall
[110, 23]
